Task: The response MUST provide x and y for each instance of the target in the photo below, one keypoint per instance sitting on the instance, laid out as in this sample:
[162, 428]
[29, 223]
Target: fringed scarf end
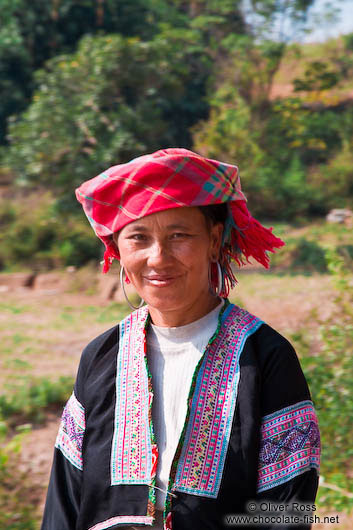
[107, 261]
[251, 237]
[229, 280]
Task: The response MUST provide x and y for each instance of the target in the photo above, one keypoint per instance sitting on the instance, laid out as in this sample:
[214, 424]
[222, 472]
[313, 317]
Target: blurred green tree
[113, 99]
[33, 32]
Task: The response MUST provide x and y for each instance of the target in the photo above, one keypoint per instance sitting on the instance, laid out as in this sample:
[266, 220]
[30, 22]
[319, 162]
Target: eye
[179, 235]
[138, 237]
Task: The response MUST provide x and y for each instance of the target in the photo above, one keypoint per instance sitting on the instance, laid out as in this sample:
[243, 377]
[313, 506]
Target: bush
[330, 376]
[33, 234]
[28, 397]
[17, 498]
[308, 256]
[333, 182]
[346, 253]
[300, 255]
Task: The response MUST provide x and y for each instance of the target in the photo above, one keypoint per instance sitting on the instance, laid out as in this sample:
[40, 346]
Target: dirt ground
[62, 325]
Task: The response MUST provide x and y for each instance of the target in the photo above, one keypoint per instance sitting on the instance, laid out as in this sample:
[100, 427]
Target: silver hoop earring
[219, 288]
[123, 288]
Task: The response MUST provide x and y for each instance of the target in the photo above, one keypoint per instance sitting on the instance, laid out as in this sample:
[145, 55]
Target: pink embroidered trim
[200, 467]
[290, 444]
[131, 457]
[123, 519]
[168, 522]
[70, 436]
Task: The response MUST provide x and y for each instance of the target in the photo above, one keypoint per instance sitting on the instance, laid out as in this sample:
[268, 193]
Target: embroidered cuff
[71, 431]
[290, 444]
[123, 519]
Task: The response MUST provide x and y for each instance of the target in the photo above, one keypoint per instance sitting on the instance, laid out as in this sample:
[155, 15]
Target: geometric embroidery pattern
[290, 444]
[200, 466]
[70, 436]
[123, 519]
[131, 455]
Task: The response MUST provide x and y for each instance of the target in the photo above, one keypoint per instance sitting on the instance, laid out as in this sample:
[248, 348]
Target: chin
[164, 301]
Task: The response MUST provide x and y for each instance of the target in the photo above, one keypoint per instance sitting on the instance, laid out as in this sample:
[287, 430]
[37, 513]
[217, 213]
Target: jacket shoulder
[270, 345]
[101, 343]
[282, 378]
[263, 337]
[97, 352]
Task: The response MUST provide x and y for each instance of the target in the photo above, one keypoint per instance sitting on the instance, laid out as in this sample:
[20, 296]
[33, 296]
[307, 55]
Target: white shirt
[173, 354]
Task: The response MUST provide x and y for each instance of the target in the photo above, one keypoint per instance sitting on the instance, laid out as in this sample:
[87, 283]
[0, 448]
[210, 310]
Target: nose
[158, 253]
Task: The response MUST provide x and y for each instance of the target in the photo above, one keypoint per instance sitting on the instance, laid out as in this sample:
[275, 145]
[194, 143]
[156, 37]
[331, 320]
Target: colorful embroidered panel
[71, 431]
[131, 457]
[290, 444]
[200, 466]
[123, 519]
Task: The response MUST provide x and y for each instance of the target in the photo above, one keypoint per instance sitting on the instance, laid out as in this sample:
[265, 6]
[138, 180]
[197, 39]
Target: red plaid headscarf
[172, 178]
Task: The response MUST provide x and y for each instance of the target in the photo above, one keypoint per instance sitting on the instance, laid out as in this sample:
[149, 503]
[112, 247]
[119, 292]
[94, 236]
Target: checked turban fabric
[172, 178]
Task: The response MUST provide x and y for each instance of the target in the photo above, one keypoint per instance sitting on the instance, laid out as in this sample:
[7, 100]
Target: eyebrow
[138, 228]
[177, 226]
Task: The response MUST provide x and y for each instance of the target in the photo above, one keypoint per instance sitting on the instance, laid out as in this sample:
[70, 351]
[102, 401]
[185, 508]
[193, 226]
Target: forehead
[188, 217]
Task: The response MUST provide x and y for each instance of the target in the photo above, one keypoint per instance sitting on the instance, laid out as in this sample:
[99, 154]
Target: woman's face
[166, 255]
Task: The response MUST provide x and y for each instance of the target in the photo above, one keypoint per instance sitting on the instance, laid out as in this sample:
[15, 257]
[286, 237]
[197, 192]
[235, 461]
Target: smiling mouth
[161, 281]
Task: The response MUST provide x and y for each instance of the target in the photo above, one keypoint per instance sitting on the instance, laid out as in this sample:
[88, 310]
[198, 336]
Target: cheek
[187, 253]
[128, 256]
[195, 258]
[132, 260]
[126, 249]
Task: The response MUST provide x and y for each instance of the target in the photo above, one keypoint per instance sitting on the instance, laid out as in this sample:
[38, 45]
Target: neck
[185, 315]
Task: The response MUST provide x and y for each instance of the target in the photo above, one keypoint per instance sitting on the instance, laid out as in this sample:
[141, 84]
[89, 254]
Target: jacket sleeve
[64, 491]
[289, 453]
[62, 508]
[63, 497]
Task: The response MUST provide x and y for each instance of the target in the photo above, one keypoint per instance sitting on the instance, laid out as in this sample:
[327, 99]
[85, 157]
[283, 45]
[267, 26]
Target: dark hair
[215, 213]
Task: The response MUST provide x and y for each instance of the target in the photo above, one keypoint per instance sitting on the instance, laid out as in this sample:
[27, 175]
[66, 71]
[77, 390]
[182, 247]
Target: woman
[191, 410]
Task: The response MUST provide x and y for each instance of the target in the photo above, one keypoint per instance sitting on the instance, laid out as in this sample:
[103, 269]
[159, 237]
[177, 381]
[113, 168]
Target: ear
[216, 241]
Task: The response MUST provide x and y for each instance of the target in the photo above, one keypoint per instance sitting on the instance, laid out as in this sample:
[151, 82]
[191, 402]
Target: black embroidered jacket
[250, 439]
